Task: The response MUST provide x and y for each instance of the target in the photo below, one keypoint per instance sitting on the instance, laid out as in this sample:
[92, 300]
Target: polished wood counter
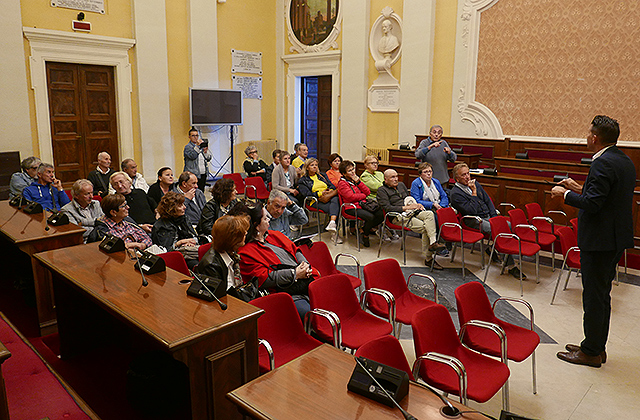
[219, 347]
[314, 386]
[408, 157]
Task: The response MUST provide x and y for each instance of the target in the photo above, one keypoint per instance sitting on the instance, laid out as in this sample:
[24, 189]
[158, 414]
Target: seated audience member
[130, 167]
[100, 176]
[276, 161]
[302, 153]
[392, 196]
[371, 176]
[253, 165]
[141, 206]
[27, 176]
[285, 178]
[352, 190]
[427, 190]
[275, 260]
[173, 231]
[333, 173]
[469, 198]
[47, 190]
[116, 222]
[283, 213]
[194, 198]
[83, 210]
[224, 197]
[222, 260]
[163, 185]
[316, 184]
[437, 152]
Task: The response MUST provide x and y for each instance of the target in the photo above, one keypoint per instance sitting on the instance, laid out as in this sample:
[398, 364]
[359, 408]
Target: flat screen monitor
[215, 106]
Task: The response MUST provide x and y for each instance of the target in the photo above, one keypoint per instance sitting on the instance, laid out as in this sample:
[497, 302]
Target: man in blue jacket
[47, 190]
[605, 230]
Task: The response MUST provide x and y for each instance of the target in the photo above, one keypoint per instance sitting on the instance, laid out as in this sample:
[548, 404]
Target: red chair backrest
[473, 303]
[175, 261]
[68, 192]
[433, 330]
[533, 210]
[517, 217]
[237, 179]
[386, 275]
[333, 293]
[280, 322]
[319, 258]
[258, 183]
[386, 350]
[574, 224]
[499, 224]
[202, 249]
[568, 239]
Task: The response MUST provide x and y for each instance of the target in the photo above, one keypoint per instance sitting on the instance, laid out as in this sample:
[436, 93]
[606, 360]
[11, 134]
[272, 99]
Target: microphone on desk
[373, 152]
[223, 306]
[145, 283]
[406, 415]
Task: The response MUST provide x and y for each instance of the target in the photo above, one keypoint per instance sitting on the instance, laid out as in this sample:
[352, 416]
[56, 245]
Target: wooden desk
[219, 347]
[27, 232]
[408, 157]
[314, 386]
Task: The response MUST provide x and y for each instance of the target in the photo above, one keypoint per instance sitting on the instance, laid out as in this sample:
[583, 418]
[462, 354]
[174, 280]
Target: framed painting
[313, 24]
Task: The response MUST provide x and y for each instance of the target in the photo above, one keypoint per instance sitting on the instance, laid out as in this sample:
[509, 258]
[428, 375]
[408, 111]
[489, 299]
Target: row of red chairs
[251, 187]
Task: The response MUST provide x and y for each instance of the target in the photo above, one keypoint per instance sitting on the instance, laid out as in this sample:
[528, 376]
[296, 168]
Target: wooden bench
[32, 390]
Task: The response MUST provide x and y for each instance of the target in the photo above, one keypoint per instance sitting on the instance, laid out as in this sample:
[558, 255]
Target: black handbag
[370, 205]
[297, 286]
[248, 291]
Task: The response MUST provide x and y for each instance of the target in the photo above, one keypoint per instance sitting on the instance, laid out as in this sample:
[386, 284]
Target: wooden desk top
[314, 386]
[162, 309]
[20, 227]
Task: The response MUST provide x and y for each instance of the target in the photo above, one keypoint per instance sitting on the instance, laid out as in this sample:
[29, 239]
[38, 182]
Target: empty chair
[571, 252]
[452, 231]
[280, 326]
[237, 180]
[346, 324]
[387, 223]
[175, 261]
[319, 257]
[509, 243]
[539, 220]
[386, 350]
[387, 275]
[530, 233]
[443, 362]
[255, 188]
[574, 224]
[473, 304]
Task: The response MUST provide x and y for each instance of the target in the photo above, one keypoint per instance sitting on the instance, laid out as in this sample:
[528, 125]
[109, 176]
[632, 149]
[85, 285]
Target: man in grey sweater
[437, 152]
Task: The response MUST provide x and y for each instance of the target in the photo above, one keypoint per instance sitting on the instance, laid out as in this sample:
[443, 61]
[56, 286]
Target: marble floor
[565, 391]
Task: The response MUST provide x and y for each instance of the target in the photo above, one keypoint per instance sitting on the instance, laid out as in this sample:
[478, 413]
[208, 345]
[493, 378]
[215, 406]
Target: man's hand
[146, 227]
[447, 150]
[289, 202]
[435, 144]
[190, 194]
[474, 189]
[557, 191]
[437, 206]
[57, 184]
[187, 241]
[294, 191]
[572, 185]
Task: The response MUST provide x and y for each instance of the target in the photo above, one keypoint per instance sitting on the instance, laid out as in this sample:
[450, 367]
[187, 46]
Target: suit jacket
[605, 219]
[480, 205]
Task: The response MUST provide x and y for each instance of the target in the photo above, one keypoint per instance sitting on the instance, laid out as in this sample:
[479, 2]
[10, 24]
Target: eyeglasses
[123, 206]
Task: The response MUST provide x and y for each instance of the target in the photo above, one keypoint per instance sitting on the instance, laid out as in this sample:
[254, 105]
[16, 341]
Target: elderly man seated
[83, 210]
[130, 167]
[469, 198]
[194, 198]
[100, 176]
[141, 207]
[27, 176]
[394, 196]
[47, 190]
[283, 213]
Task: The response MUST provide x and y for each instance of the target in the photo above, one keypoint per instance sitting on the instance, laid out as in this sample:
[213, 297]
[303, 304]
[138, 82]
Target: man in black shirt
[141, 206]
[99, 177]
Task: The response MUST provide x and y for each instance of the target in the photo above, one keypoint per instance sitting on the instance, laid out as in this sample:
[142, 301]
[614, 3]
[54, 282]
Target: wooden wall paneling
[519, 196]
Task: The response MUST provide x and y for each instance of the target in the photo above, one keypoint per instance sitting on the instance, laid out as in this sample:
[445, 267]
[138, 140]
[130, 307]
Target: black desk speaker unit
[32, 208]
[111, 244]
[150, 263]
[395, 381]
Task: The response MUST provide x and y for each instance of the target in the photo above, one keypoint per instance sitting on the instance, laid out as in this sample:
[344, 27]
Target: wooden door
[324, 121]
[82, 111]
[310, 114]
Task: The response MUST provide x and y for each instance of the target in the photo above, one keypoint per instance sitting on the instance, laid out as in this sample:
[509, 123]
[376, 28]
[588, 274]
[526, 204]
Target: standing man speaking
[605, 230]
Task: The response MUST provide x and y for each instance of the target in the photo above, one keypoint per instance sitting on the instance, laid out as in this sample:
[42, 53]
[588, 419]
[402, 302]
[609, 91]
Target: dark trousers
[332, 207]
[202, 181]
[371, 220]
[598, 271]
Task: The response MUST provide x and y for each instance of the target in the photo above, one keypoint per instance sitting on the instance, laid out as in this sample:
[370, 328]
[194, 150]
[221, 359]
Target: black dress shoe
[365, 241]
[515, 272]
[436, 266]
[575, 347]
[580, 358]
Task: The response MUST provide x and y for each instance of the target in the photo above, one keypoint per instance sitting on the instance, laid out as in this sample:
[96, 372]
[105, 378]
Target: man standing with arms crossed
[605, 230]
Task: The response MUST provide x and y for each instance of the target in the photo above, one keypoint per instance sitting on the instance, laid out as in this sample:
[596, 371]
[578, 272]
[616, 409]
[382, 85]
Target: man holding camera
[197, 157]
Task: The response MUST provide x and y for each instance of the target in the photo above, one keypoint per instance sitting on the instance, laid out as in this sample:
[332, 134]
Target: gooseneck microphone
[448, 410]
[145, 283]
[406, 415]
[223, 306]
[373, 152]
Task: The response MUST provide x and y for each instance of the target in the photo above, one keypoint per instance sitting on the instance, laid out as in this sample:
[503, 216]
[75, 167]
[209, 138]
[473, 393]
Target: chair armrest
[566, 218]
[476, 218]
[497, 329]
[518, 300]
[344, 205]
[267, 346]
[333, 319]
[431, 279]
[311, 199]
[548, 220]
[342, 254]
[388, 215]
[507, 205]
[255, 193]
[530, 227]
[391, 303]
[450, 361]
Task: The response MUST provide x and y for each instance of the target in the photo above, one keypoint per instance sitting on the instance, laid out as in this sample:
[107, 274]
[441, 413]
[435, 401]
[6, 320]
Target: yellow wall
[443, 60]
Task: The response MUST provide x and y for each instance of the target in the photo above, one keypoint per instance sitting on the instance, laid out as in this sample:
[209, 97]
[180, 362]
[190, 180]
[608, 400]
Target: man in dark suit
[605, 230]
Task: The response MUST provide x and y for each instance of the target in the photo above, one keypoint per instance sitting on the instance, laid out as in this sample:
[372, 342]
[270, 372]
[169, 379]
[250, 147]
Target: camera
[205, 143]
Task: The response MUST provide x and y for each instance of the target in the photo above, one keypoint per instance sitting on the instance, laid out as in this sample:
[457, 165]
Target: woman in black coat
[173, 230]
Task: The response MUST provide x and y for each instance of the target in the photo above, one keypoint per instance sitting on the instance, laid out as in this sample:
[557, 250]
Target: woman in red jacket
[352, 190]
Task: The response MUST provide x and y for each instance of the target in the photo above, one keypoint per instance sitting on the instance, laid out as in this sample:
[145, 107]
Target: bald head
[104, 161]
[391, 178]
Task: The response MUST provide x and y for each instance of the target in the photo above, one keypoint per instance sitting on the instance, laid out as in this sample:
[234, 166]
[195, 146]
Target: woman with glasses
[116, 222]
[427, 190]
[28, 175]
[371, 176]
[253, 165]
[173, 230]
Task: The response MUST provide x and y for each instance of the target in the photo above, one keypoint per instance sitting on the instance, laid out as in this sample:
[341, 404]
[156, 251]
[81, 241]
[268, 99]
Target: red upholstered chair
[255, 188]
[97, 197]
[387, 275]
[344, 216]
[388, 351]
[319, 257]
[175, 261]
[574, 224]
[68, 192]
[530, 233]
[509, 243]
[281, 328]
[387, 222]
[308, 206]
[473, 305]
[443, 362]
[202, 249]
[237, 180]
[539, 220]
[452, 231]
[571, 252]
[333, 298]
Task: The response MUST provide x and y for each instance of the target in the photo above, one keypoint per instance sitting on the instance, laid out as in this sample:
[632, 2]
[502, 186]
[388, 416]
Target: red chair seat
[510, 246]
[319, 257]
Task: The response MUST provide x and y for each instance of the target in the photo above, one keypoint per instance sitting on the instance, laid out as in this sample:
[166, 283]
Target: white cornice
[78, 39]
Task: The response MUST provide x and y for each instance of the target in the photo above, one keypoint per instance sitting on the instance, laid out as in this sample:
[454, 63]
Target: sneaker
[443, 252]
[331, 226]
[515, 272]
[436, 266]
[294, 228]
[333, 239]
[365, 241]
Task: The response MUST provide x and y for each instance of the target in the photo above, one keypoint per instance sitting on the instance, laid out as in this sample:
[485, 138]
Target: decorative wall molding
[325, 45]
[68, 47]
[311, 64]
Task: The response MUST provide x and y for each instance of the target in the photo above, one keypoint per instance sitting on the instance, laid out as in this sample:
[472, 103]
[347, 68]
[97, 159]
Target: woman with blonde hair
[371, 176]
[314, 183]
